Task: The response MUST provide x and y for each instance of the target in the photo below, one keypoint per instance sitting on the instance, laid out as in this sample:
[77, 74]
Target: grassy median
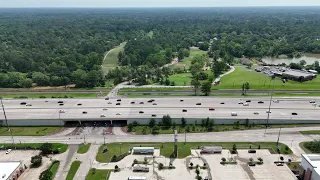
[83, 148]
[73, 170]
[29, 131]
[54, 168]
[95, 174]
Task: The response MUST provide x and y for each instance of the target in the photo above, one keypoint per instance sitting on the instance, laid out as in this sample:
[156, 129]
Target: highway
[133, 108]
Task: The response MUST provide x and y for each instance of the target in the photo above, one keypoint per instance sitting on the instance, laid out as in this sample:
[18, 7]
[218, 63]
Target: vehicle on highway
[46, 101]
[184, 110]
[181, 100]
[102, 115]
[260, 102]
[109, 102]
[141, 103]
[84, 112]
[312, 101]
[294, 113]
[118, 114]
[198, 104]
[107, 98]
[268, 111]
[59, 102]
[117, 104]
[141, 112]
[276, 101]
[105, 109]
[211, 109]
[245, 104]
[234, 114]
[151, 100]
[62, 111]
[240, 102]
[8, 151]
[222, 103]
[132, 102]
[79, 104]
[153, 115]
[256, 113]
[118, 100]
[23, 103]
[252, 151]
[28, 104]
[248, 100]
[154, 104]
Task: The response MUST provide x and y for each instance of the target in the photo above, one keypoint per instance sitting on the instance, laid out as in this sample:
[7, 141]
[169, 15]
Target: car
[260, 102]
[141, 112]
[198, 104]
[153, 115]
[79, 104]
[84, 112]
[211, 109]
[312, 101]
[245, 104]
[234, 114]
[132, 102]
[118, 104]
[28, 104]
[107, 98]
[150, 101]
[256, 113]
[46, 101]
[59, 102]
[105, 109]
[252, 151]
[279, 164]
[222, 103]
[118, 100]
[184, 110]
[109, 102]
[23, 103]
[181, 100]
[276, 101]
[141, 103]
[268, 111]
[251, 164]
[8, 151]
[248, 100]
[154, 104]
[118, 114]
[240, 102]
[62, 111]
[294, 113]
[102, 115]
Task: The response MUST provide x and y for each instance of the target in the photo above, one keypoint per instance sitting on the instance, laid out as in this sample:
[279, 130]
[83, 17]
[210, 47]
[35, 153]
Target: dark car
[198, 104]
[79, 104]
[141, 103]
[151, 100]
[184, 110]
[252, 151]
[294, 113]
[153, 115]
[181, 100]
[60, 102]
[141, 112]
[118, 100]
[23, 103]
[248, 100]
[106, 98]
[211, 109]
[154, 104]
[84, 112]
[260, 102]
[132, 102]
[222, 103]
[118, 104]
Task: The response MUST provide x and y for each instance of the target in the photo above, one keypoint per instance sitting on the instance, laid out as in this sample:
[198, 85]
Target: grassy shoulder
[110, 60]
[83, 148]
[310, 132]
[55, 146]
[260, 81]
[184, 149]
[73, 170]
[50, 95]
[311, 146]
[54, 168]
[95, 174]
[139, 130]
[29, 131]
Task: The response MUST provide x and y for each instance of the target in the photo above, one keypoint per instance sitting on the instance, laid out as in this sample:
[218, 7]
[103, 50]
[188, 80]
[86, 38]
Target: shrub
[45, 175]
[46, 148]
[259, 146]
[135, 161]
[260, 159]
[223, 159]
[286, 148]
[36, 161]
[191, 165]
[250, 159]
[281, 158]
[197, 171]
[160, 166]
[94, 171]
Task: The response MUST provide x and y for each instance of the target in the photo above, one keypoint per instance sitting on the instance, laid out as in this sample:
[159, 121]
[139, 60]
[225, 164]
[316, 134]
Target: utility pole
[185, 137]
[278, 147]
[5, 117]
[267, 123]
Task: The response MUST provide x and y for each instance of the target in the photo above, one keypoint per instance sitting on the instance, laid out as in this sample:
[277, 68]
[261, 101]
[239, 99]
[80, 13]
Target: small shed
[211, 149]
[143, 150]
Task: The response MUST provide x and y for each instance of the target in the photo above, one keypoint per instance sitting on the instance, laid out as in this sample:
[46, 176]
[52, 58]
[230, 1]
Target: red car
[211, 109]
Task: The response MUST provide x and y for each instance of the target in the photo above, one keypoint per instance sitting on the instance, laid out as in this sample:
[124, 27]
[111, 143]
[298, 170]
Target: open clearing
[184, 79]
[187, 61]
[110, 60]
[260, 81]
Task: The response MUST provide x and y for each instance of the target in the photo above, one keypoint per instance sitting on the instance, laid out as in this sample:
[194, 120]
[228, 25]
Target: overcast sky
[154, 3]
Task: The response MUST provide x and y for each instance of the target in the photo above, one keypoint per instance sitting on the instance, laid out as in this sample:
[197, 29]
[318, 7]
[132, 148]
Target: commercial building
[143, 150]
[11, 170]
[310, 164]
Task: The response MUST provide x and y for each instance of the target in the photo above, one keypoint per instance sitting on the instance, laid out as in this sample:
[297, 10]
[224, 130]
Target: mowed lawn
[110, 61]
[184, 79]
[28, 131]
[98, 174]
[260, 81]
[187, 61]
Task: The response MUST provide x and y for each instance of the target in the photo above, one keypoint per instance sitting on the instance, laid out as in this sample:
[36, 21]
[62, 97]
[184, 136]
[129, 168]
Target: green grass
[186, 62]
[184, 150]
[310, 132]
[216, 128]
[50, 95]
[73, 170]
[62, 147]
[29, 131]
[99, 174]
[110, 61]
[294, 166]
[83, 148]
[262, 82]
[306, 150]
[183, 79]
[54, 167]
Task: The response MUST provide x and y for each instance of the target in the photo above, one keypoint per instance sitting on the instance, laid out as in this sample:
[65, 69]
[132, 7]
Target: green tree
[46, 175]
[155, 129]
[130, 127]
[40, 79]
[36, 161]
[195, 82]
[246, 87]
[46, 148]
[206, 88]
[152, 123]
[25, 83]
[183, 122]
[166, 120]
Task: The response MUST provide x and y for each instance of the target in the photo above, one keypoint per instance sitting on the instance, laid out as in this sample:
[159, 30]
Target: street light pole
[5, 117]
[269, 108]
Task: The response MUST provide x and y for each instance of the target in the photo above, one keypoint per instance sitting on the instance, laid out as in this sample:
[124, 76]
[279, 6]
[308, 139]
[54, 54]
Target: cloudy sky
[154, 3]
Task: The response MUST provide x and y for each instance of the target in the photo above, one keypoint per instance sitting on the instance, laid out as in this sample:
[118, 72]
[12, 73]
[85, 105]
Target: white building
[310, 164]
[10, 170]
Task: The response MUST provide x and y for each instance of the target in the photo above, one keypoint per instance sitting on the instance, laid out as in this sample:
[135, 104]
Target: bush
[94, 171]
[36, 161]
[260, 159]
[259, 146]
[46, 148]
[281, 158]
[135, 161]
[160, 166]
[197, 171]
[46, 175]
[223, 159]
[286, 148]
[56, 151]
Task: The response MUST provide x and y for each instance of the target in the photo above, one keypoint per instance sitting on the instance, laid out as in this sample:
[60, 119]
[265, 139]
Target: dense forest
[63, 46]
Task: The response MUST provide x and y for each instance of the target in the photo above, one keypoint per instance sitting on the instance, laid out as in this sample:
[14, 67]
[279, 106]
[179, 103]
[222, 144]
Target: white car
[234, 114]
[102, 115]
[240, 102]
[8, 151]
[28, 104]
[245, 104]
[276, 101]
[312, 101]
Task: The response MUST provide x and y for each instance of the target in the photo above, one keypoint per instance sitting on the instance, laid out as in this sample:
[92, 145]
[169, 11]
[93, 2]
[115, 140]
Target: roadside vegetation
[311, 146]
[29, 131]
[310, 132]
[46, 148]
[95, 174]
[184, 149]
[50, 173]
[73, 170]
[83, 148]
[50, 95]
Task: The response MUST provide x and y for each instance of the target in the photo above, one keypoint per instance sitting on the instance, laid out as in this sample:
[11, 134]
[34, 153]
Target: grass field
[216, 128]
[50, 95]
[110, 61]
[155, 89]
[99, 174]
[304, 148]
[54, 167]
[73, 170]
[187, 61]
[184, 150]
[62, 147]
[28, 131]
[260, 81]
[83, 148]
[184, 79]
